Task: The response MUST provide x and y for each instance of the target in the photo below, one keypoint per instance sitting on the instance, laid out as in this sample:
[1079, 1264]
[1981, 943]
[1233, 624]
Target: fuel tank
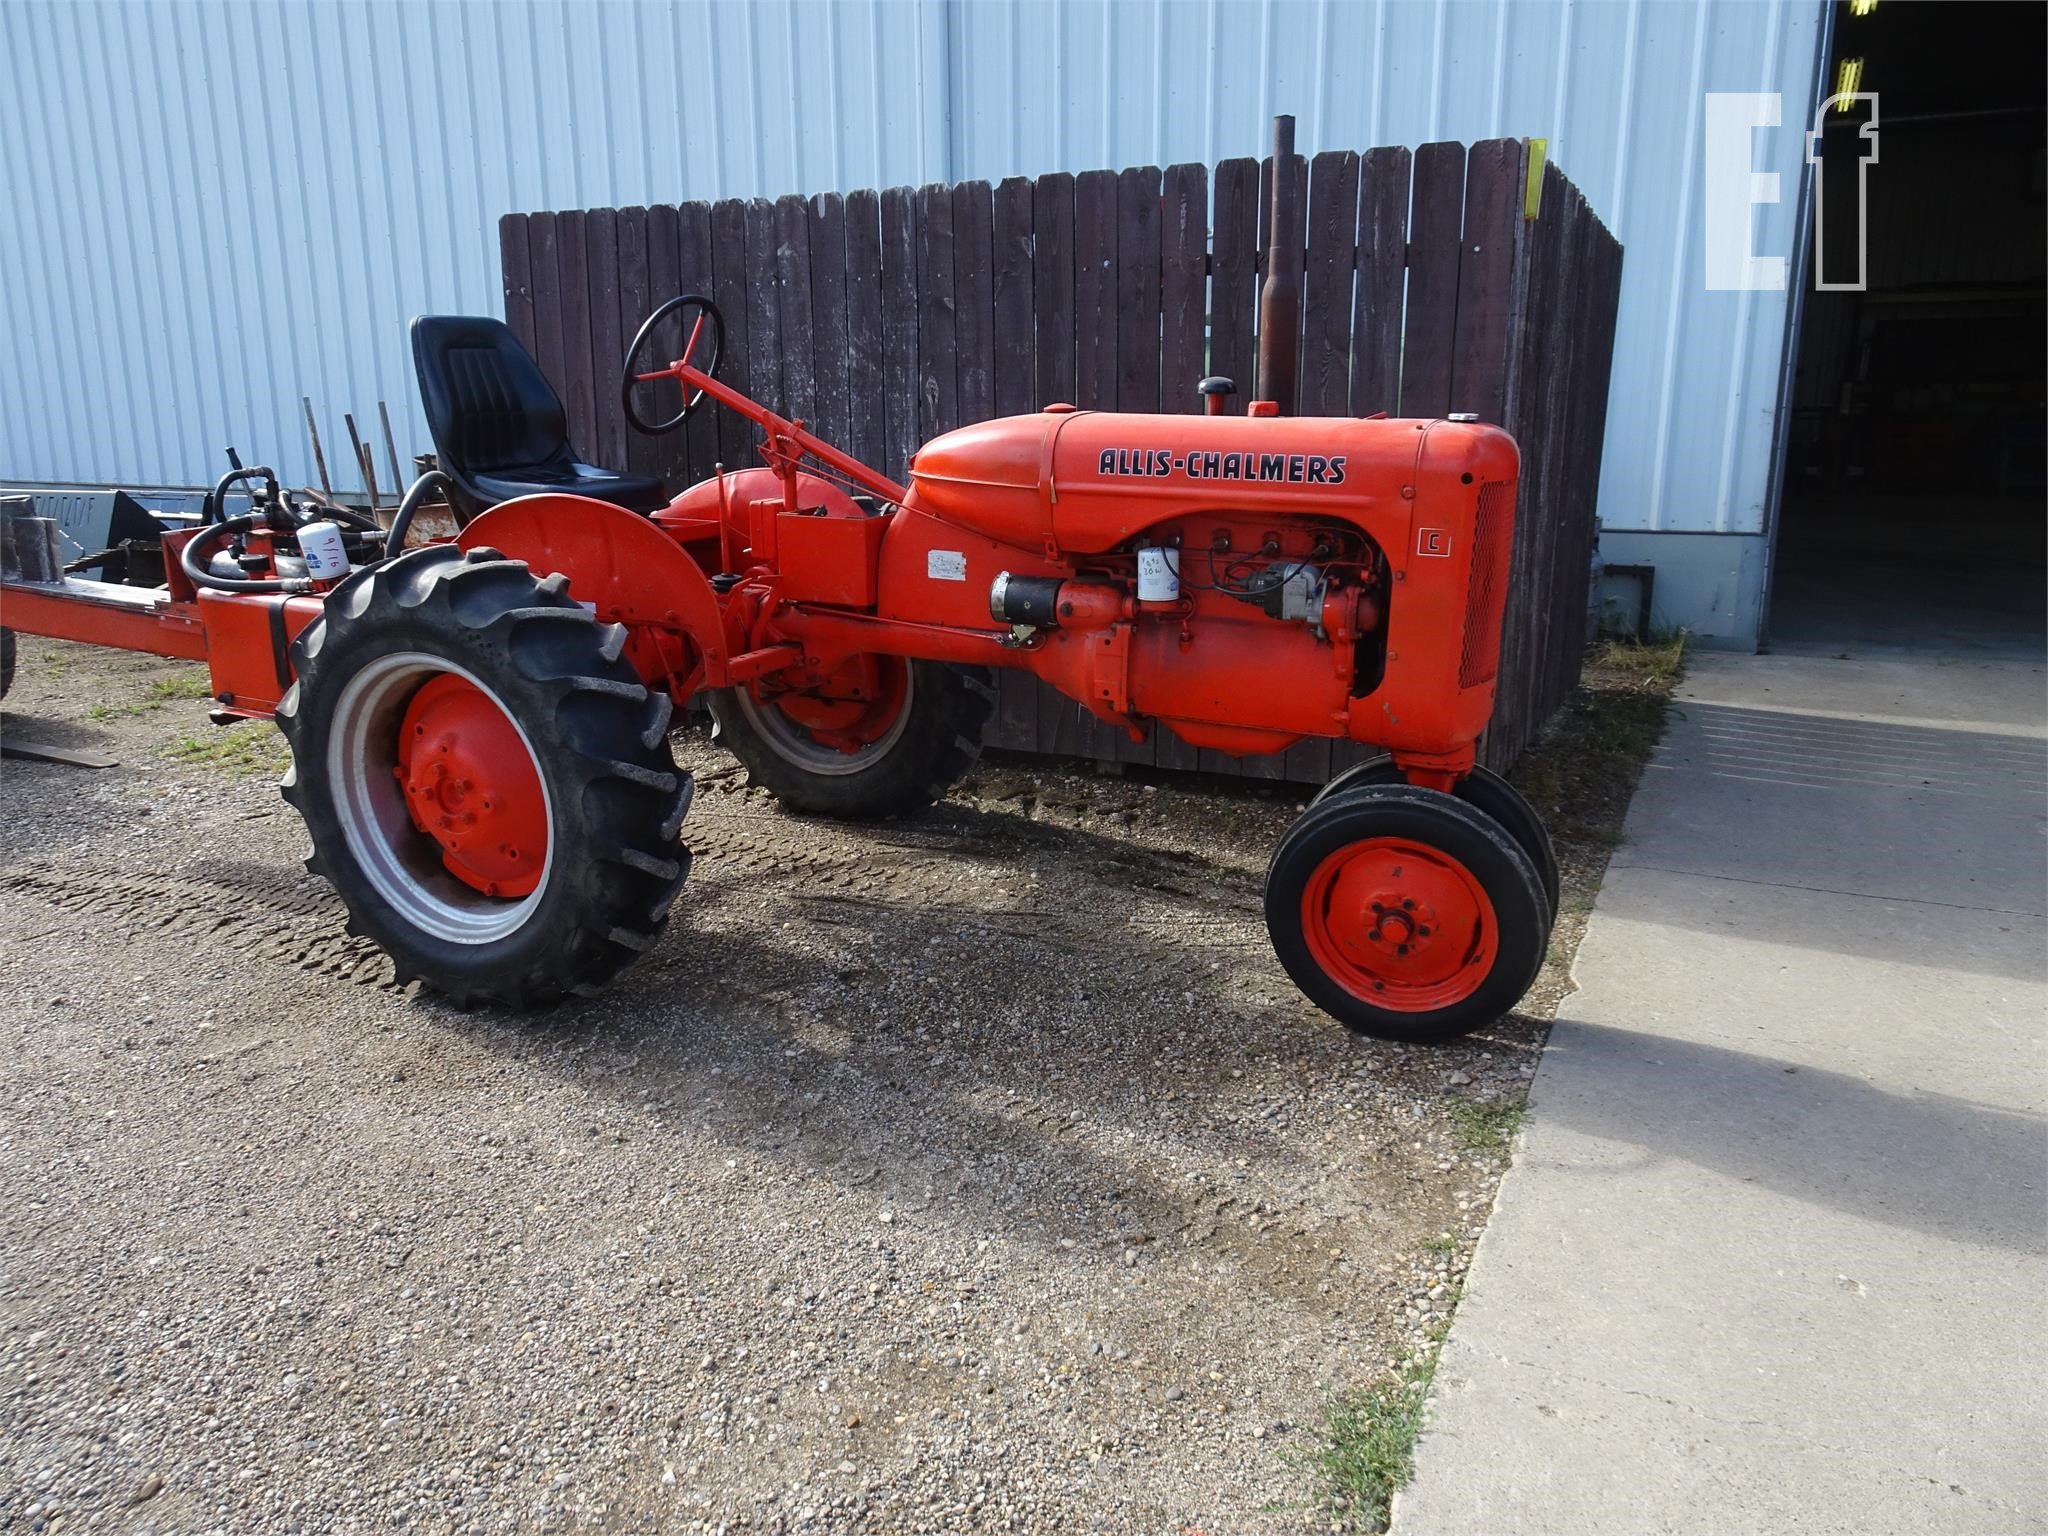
[1068, 482]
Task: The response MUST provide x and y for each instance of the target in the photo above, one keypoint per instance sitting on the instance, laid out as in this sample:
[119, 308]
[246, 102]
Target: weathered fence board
[974, 301]
[793, 313]
[694, 243]
[607, 347]
[729, 288]
[887, 317]
[866, 425]
[573, 259]
[764, 320]
[1383, 176]
[899, 329]
[1014, 321]
[515, 251]
[1327, 281]
[1432, 316]
[1483, 333]
[545, 339]
[829, 359]
[1052, 284]
[630, 304]
[938, 337]
[1234, 274]
[1094, 314]
[1183, 286]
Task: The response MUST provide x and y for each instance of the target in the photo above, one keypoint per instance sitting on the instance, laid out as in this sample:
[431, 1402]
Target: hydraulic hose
[216, 508]
[433, 480]
[216, 529]
[214, 535]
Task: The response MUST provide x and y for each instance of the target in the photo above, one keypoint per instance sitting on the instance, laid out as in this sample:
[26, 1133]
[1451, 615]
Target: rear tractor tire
[486, 781]
[879, 737]
[1406, 913]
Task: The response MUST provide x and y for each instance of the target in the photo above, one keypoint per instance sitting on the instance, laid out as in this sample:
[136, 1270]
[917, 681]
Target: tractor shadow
[906, 1012]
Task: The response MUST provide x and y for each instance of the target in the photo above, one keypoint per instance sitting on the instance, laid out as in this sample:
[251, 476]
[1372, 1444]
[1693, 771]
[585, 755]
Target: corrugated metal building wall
[214, 208]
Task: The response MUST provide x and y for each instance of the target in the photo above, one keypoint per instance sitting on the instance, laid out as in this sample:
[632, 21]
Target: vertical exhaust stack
[1280, 297]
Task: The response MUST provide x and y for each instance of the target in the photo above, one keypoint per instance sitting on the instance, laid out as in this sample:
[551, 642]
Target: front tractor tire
[878, 737]
[1406, 913]
[486, 782]
[1486, 792]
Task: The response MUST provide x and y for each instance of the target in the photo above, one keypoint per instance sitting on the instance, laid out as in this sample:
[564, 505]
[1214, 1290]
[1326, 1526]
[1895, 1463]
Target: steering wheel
[706, 312]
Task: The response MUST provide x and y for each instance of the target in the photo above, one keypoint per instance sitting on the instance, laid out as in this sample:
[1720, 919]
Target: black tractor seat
[499, 427]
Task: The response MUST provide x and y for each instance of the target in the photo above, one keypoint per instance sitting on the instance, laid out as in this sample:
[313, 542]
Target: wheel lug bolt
[1377, 908]
[1400, 949]
[1374, 935]
[1407, 903]
[1422, 932]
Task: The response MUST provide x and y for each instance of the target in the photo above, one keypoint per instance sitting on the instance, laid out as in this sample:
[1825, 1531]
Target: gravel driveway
[974, 1172]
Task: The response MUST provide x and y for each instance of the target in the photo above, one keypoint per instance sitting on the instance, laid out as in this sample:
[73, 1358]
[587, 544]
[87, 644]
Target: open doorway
[1913, 507]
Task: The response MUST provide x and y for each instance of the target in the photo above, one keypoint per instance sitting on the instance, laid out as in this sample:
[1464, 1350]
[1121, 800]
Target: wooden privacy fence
[1433, 282]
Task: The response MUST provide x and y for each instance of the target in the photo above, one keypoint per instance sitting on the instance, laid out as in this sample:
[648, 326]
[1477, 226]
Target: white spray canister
[1158, 574]
[326, 555]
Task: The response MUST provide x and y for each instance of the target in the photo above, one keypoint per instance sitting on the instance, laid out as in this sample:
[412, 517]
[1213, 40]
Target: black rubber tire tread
[949, 708]
[1437, 820]
[599, 737]
[1484, 790]
[6, 661]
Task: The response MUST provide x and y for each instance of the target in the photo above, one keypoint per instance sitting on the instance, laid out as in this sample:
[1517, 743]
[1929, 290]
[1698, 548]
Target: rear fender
[629, 570]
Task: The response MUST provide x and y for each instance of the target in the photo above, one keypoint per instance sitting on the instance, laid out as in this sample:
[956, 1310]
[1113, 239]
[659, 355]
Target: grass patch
[1365, 1447]
[1443, 1242]
[1581, 774]
[119, 710]
[253, 747]
[186, 685]
[1659, 658]
[165, 690]
[1485, 1125]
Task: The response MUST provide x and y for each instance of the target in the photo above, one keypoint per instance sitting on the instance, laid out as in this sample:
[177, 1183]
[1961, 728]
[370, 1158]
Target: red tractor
[479, 728]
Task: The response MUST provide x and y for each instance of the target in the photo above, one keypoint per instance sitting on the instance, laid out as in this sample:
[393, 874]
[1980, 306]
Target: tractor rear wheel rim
[877, 727]
[406, 866]
[1399, 924]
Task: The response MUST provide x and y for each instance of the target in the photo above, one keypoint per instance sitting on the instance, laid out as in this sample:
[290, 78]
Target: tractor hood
[1082, 482]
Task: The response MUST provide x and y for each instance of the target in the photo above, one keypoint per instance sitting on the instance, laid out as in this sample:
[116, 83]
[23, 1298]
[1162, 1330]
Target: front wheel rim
[382, 787]
[1400, 925]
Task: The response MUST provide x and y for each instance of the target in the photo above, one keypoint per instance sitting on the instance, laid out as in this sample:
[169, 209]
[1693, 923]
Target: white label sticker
[946, 565]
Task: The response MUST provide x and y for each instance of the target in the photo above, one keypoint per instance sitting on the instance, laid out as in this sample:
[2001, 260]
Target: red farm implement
[479, 727]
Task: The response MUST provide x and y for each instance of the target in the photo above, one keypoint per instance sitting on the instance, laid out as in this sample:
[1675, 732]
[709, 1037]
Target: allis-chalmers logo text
[1265, 468]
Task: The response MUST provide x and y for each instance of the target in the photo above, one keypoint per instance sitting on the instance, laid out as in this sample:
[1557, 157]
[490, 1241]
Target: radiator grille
[1493, 533]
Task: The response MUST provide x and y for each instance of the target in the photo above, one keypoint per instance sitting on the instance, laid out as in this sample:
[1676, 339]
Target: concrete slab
[1775, 1253]
[1895, 778]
